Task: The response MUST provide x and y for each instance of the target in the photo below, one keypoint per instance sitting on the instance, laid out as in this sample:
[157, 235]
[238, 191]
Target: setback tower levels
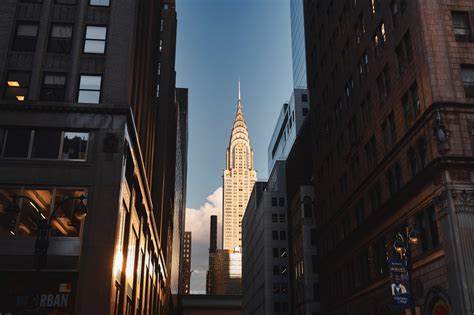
[239, 178]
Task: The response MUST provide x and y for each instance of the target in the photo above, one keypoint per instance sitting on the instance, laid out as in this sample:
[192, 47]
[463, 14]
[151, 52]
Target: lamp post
[42, 236]
[403, 244]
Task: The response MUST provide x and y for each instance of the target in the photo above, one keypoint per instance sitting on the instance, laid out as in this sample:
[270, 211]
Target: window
[54, 87]
[389, 131]
[283, 235]
[379, 39]
[364, 66]
[383, 85]
[380, 263]
[276, 270]
[61, 38]
[3, 133]
[274, 202]
[404, 53]
[274, 218]
[284, 307]
[282, 218]
[413, 160]
[283, 270]
[467, 72]
[95, 39]
[283, 252]
[422, 151]
[276, 253]
[428, 227]
[305, 111]
[17, 84]
[304, 98]
[281, 202]
[359, 213]
[75, 146]
[65, 1]
[411, 104]
[375, 198]
[46, 144]
[89, 89]
[17, 143]
[275, 235]
[99, 3]
[371, 152]
[461, 26]
[25, 36]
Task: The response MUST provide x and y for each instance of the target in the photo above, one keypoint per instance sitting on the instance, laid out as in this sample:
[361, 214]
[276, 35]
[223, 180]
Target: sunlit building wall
[239, 178]
[78, 116]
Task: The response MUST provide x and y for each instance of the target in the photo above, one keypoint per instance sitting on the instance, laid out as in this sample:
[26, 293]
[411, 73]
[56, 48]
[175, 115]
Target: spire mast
[239, 89]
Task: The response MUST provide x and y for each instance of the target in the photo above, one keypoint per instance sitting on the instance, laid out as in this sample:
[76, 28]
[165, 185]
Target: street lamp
[42, 237]
[402, 244]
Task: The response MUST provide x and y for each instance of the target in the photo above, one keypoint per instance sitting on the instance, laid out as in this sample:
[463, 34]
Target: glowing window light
[13, 83]
[118, 262]
[20, 98]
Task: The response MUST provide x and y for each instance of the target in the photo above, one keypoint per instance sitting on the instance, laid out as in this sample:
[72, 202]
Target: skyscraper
[298, 44]
[392, 92]
[239, 178]
[79, 85]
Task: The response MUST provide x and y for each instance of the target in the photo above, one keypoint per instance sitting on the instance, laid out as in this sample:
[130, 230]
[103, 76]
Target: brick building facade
[391, 90]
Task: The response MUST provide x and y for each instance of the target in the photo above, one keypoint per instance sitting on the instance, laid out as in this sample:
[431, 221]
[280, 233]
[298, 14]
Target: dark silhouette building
[391, 92]
[80, 116]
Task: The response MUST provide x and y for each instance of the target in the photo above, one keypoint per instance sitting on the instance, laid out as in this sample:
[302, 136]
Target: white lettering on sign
[54, 300]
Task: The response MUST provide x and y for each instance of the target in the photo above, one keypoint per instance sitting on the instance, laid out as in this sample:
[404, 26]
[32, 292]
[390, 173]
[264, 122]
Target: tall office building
[265, 256]
[239, 178]
[298, 44]
[78, 130]
[392, 92]
[185, 279]
[291, 118]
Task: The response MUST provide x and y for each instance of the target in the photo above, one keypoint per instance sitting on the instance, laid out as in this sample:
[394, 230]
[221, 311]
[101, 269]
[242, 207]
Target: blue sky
[219, 41]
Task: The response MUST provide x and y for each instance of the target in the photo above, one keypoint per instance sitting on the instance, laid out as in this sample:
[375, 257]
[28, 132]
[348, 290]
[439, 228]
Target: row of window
[280, 253]
[278, 218]
[371, 263]
[278, 202]
[55, 144]
[279, 235]
[53, 88]
[60, 39]
[416, 160]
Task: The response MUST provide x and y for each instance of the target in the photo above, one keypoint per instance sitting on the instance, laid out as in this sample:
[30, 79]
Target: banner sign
[400, 283]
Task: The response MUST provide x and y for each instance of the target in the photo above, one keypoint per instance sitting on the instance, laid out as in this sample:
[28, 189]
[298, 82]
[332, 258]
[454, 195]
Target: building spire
[239, 89]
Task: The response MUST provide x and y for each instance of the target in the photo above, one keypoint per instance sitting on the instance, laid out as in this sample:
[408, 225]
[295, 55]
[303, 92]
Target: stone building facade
[78, 117]
[391, 89]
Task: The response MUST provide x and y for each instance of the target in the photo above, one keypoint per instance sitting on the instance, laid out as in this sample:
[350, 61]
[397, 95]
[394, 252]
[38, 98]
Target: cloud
[198, 221]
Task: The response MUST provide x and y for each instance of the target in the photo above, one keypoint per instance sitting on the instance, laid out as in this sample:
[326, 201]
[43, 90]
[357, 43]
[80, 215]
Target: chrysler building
[239, 178]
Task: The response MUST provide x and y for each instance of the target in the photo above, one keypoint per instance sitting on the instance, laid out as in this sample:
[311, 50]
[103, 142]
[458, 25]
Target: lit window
[25, 37]
[54, 86]
[17, 85]
[95, 39]
[89, 89]
[100, 3]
